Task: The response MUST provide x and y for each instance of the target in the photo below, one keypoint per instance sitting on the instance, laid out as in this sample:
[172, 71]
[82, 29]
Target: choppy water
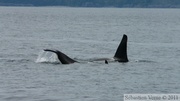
[84, 33]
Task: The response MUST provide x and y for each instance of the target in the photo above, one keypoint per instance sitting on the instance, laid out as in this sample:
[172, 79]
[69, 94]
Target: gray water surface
[85, 33]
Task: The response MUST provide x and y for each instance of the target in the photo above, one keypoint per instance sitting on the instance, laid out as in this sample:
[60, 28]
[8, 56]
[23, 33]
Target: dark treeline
[93, 3]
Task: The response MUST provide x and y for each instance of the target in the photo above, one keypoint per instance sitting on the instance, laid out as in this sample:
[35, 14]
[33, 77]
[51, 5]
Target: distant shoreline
[92, 6]
[16, 5]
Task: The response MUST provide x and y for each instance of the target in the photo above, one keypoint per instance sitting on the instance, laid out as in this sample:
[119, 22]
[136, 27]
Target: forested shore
[95, 3]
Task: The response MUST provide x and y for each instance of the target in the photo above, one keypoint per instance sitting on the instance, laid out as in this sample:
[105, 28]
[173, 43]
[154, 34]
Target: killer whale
[120, 54]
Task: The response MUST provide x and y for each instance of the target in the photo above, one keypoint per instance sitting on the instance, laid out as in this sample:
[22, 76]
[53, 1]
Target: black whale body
[120, 55]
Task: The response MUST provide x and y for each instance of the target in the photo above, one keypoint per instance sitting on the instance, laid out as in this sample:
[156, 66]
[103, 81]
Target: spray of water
[47, 57]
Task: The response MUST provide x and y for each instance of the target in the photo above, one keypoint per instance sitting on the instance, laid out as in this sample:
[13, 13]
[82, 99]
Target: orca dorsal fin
[63, 58]
[121, 52]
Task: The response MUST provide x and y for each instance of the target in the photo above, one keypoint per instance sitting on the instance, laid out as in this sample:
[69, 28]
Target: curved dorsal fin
[62, 57]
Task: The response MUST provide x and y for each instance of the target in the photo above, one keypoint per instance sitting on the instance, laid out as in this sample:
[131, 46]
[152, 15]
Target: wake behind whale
[120, 54]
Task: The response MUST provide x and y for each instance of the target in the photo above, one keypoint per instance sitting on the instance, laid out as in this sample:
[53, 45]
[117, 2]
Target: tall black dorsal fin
[121, 52]
[62, 57]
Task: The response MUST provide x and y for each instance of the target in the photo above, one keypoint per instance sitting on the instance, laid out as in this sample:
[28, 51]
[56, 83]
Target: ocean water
[86, 33]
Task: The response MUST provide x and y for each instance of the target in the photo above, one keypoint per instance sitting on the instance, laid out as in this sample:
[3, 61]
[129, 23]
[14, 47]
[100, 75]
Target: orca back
[121, 52]
[120, 55]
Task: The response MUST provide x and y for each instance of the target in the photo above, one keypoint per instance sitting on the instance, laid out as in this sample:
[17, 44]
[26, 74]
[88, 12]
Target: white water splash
[47, 57]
